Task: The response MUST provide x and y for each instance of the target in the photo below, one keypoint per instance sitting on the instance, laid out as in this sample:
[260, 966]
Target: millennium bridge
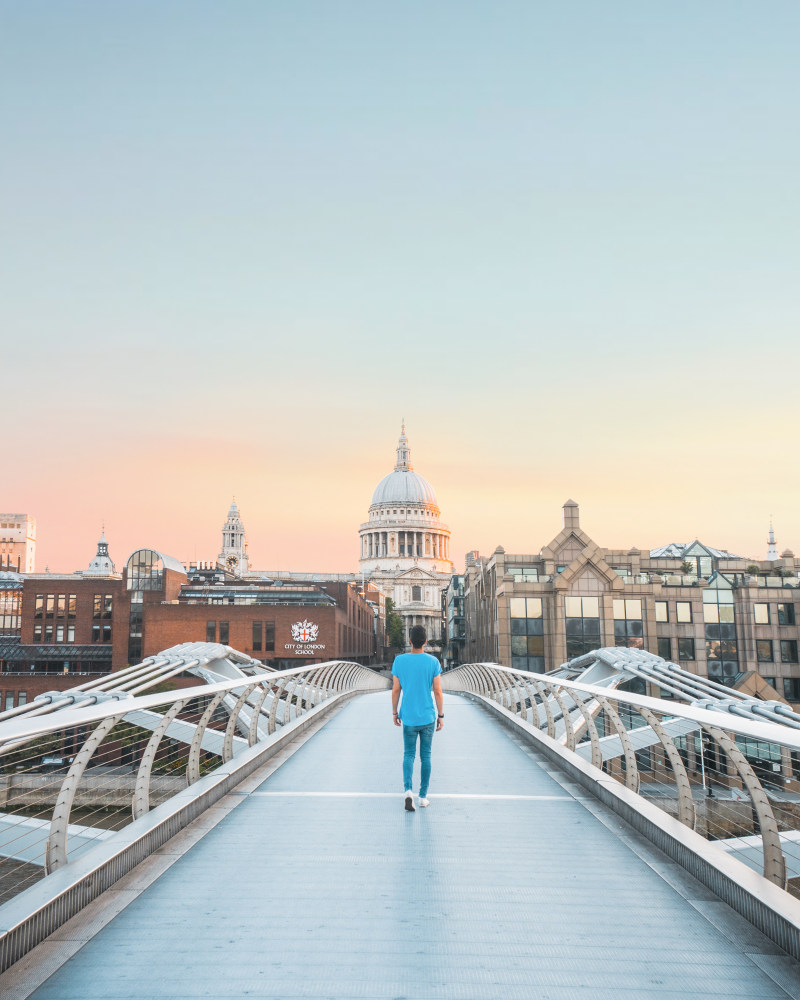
[200, 826]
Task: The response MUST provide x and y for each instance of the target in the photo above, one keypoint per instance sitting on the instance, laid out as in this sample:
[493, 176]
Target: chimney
[572, 519]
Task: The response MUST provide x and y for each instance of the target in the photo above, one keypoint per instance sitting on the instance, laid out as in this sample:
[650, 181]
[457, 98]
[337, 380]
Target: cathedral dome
[404, 486]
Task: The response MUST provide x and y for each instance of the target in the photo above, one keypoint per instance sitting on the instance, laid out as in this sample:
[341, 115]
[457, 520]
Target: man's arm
[437, 694]
[396, 689]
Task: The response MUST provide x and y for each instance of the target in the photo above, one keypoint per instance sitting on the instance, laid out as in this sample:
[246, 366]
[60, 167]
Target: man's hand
[397, 721]
[439, 724]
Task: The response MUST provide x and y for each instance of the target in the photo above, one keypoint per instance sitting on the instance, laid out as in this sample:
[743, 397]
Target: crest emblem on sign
[304, 631]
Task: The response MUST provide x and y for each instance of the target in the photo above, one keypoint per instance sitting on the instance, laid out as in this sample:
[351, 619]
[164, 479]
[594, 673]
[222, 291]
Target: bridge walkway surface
[317, 883]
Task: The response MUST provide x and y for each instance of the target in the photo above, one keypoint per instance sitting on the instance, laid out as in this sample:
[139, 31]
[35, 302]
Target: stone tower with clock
[233, 556]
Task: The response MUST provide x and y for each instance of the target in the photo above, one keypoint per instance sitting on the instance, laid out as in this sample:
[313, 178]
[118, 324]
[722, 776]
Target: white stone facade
[405, 546]
[233, 556]
[18, 543]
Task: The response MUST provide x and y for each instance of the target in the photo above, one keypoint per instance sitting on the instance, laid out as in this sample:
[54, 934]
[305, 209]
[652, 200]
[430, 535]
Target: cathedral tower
[233, 556]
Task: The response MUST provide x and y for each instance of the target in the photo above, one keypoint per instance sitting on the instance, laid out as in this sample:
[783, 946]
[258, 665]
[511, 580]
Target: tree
[395, 630]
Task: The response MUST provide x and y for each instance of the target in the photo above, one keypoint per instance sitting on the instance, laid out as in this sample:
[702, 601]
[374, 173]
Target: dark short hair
[418, 636]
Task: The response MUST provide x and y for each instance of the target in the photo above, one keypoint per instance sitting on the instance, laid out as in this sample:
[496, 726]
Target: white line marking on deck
[397, 795]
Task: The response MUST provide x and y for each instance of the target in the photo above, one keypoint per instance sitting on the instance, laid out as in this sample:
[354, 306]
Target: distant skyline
[241, 242]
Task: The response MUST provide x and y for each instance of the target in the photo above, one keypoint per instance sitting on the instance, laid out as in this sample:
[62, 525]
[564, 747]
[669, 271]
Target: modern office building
[17, 543]
[405, 546]
[717, 614]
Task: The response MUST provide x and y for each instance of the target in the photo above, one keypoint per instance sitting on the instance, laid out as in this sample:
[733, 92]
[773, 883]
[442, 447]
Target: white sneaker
[409, 800]
[423, 803]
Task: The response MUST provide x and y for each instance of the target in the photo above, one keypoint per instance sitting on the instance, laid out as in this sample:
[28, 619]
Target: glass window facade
[761, 614]
[665, 647]
[722, 650]
[686, 649]
[764, 650]
[628, 624]
[789, 650]
[527, 633]
[786, 614]
[583, 625]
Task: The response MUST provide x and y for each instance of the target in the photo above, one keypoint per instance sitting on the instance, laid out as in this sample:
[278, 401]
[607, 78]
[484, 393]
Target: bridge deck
[512, 884]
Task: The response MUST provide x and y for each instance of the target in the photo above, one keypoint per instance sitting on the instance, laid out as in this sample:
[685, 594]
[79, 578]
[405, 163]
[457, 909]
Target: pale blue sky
[241, 228]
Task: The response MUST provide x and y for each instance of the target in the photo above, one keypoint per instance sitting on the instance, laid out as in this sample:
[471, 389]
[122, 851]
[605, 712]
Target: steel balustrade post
[485, 680]
[141, 795]
[193, 765]
[230, 729]
[597, 753]
[56, 850]
[310, 691]
[291, 693]
[774, 860]
[534, 707]
[632, 780]
[686, 810]
[273, 709]
[470, 680]
[252, 734]
[498, 686]
[551, 722]
[569, 729]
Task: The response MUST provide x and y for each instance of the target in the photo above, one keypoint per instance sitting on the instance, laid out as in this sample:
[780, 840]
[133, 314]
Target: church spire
[403, 451]
[772, 551]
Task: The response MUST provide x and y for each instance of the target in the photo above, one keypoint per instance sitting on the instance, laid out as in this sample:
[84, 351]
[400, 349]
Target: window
[101, 607]
[50, 606]
[59, 633]
[791, 688]
[269, 637]
[211, 631]
[685, 649]
[683, 611]
[101, 633]
[583, 625]
[789, 650]
[416, 593]
[70, 633]
[786, 614]
[37, 633]
[628, 627]
[9, 700]
[764, 650]
[257, 636]
[771, 681]
[39, 610]
[662, 611]
[527, 633]
[719, 615]
[22, 698]
[73, 606]
[761, 614]
[665, 647]
[224, 630]
[61, 611]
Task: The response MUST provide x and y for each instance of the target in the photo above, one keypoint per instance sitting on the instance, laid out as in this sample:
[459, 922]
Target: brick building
[59, 630]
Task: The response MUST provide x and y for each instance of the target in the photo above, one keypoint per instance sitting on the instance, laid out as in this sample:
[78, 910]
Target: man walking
[416, 674]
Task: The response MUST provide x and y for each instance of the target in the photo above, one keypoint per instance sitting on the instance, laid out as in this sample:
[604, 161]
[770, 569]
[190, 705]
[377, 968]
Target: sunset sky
[241, 241]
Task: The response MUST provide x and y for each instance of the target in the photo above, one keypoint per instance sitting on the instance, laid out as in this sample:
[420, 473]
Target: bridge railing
[72, 775]
[733, 780]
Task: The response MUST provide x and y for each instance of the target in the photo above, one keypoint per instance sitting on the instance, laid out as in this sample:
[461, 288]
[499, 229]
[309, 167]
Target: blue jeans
[410, 734]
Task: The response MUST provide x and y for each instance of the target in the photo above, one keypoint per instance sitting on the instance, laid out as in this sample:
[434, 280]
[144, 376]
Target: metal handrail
[255, 706]
[572, 708]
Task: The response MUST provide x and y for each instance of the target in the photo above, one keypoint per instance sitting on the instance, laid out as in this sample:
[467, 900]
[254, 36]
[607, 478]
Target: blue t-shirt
[416, 671]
